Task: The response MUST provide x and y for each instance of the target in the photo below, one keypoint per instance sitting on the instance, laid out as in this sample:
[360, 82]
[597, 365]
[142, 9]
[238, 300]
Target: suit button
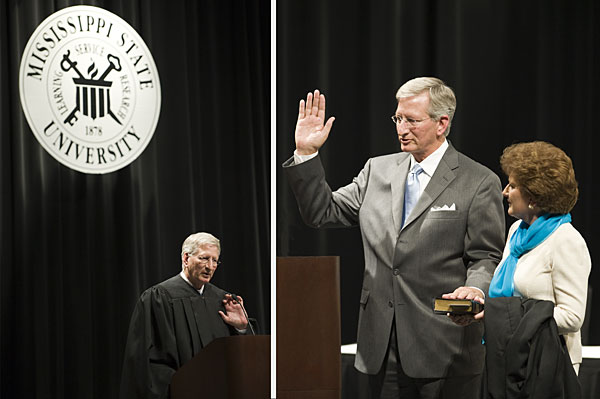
[391, 304]
[396, 272]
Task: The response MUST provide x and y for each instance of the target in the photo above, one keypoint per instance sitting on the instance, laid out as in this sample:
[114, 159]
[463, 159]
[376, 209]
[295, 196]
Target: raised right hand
[311, 132]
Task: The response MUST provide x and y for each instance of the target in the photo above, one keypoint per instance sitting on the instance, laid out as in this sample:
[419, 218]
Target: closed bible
[456, 306]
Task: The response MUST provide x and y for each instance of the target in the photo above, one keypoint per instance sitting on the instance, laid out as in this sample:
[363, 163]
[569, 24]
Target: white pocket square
[444, 208]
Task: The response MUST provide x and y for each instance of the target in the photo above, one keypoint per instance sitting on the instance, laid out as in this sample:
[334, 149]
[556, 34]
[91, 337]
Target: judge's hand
[234, 314]
[465, 293]
[311, 129]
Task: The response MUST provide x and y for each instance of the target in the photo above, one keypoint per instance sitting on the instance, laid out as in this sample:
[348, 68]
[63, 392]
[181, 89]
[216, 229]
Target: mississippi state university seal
[89, 89]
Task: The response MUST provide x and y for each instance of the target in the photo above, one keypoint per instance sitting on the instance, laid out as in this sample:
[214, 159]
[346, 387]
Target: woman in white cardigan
[545, 256]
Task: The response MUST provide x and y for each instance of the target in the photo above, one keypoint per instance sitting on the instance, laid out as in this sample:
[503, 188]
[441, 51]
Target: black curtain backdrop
[521, 70]
[76, 250]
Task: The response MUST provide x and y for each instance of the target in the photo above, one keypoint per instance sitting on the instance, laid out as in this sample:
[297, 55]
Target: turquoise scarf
[522, 241]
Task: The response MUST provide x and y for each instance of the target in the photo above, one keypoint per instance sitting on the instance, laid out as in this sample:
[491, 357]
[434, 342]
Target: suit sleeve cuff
[480, 290]
[298, 159]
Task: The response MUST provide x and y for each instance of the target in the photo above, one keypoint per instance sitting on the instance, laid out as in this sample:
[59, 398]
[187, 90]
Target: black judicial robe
[171, 322]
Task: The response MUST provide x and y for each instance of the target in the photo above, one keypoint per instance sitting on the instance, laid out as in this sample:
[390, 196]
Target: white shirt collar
[431, 163]
[184, 277]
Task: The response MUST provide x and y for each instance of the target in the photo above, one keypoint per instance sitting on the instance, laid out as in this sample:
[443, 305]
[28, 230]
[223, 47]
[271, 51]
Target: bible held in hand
[456, 306]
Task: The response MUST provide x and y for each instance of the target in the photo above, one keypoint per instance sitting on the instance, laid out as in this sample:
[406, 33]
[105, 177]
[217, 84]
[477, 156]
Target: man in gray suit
[432, 223]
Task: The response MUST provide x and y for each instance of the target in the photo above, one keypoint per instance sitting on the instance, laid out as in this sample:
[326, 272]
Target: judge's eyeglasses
[204, 260]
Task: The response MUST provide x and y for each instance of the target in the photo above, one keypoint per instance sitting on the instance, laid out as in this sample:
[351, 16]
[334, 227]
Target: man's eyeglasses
[398, 119]
[204, 260]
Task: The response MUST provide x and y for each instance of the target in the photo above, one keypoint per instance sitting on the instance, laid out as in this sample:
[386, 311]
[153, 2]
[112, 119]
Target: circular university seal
[89, 89]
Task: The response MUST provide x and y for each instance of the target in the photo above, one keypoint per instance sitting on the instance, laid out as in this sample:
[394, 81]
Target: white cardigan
[557, 270]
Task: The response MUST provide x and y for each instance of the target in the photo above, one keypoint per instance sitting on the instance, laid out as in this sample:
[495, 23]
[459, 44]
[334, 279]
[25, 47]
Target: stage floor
[354, 384]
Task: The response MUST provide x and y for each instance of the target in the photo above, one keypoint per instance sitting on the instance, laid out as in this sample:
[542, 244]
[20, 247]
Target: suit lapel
[442, 177]
[398, 179]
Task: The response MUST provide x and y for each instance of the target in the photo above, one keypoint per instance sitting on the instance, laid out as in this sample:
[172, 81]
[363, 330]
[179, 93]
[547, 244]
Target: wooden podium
[236, 367]
[308, 328]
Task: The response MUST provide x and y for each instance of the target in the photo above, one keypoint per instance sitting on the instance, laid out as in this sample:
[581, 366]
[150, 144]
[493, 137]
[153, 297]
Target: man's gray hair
[442, 100]
[197, 240]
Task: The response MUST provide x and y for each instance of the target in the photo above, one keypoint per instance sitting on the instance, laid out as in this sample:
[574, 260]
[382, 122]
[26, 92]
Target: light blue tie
[411, 191]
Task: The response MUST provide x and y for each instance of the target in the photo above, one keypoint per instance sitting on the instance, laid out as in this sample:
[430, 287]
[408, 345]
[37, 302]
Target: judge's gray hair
[197, 240]
[442, 100]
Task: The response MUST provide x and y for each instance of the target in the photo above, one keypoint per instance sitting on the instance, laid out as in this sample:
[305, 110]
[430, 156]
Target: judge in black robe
[174, 319]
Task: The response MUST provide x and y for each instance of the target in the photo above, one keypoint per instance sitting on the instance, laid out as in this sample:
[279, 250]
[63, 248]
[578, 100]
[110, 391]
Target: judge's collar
[184, 277]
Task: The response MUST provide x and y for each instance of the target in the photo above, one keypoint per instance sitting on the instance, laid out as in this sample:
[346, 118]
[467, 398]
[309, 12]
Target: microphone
[236, 298]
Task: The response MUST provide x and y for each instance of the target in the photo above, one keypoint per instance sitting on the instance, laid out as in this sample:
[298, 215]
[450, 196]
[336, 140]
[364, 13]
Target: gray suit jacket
[405, 268]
